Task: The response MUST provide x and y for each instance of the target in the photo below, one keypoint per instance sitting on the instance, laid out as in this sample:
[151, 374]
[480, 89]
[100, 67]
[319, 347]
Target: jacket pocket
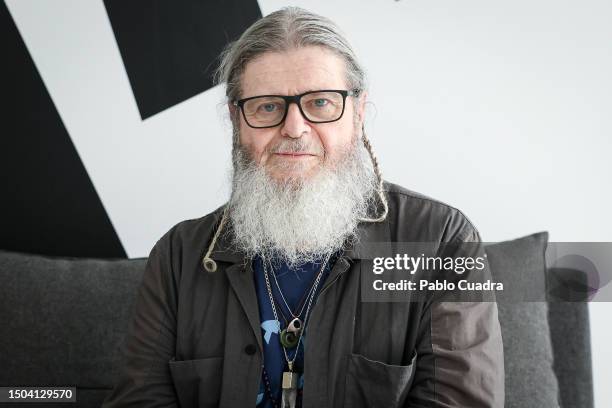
[197, 382]
[375, 384]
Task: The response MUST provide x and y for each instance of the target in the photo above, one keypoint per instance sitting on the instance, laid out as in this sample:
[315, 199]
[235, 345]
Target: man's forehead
[293, 72]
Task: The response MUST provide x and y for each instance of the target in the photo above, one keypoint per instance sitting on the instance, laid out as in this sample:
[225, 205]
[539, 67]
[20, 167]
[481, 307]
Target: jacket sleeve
[144, 379]
[460, 361]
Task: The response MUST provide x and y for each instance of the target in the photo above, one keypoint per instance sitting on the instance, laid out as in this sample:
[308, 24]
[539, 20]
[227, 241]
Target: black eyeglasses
[266, 111]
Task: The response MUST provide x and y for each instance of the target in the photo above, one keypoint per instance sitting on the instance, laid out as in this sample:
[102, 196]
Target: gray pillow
[528, 354]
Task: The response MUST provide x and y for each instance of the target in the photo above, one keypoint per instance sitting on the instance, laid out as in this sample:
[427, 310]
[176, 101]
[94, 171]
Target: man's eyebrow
[309, 89]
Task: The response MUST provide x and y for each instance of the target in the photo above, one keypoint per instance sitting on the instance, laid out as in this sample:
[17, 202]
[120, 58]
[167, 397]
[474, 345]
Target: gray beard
[300, 220]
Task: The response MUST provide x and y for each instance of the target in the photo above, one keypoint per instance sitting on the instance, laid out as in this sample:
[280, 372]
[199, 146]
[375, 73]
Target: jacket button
[250, 349]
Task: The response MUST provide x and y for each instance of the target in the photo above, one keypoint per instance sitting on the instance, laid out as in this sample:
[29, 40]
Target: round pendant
[288, 339]
[295, 326]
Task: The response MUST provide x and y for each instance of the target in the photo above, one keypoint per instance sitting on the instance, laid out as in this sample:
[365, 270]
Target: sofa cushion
[571, 337]
[528, 355]
[64, 319]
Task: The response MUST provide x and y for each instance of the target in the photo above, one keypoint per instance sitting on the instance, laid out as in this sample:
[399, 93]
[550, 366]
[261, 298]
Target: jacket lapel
[241, 279]
[239, 275]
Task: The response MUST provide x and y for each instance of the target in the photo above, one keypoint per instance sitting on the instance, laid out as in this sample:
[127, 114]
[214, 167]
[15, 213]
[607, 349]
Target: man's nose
[295, 125]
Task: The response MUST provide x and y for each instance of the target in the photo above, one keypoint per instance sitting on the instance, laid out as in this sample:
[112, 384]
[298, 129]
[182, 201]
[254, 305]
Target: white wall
[501, 109]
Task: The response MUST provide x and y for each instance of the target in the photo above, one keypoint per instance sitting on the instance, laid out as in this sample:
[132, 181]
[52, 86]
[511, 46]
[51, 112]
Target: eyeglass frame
[296, 99]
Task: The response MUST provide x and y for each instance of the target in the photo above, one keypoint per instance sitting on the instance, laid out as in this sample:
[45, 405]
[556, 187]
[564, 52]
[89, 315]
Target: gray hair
[283, 30]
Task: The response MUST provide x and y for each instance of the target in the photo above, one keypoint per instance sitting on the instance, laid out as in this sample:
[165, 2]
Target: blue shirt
[293, 283]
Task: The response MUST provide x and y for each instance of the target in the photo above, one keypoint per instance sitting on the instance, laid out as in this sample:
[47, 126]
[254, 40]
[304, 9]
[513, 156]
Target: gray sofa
[63, 322]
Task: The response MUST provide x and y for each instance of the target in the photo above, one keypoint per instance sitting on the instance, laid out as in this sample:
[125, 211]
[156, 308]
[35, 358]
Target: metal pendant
[295, 326]
[289, 396]
[288, 339]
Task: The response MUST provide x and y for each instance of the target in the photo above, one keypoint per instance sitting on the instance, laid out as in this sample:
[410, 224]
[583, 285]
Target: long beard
[300, 220]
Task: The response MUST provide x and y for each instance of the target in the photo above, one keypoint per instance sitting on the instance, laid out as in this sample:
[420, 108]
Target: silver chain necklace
[295, 325]
[289, 380]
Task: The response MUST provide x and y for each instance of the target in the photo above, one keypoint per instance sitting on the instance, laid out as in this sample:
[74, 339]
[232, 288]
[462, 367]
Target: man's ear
[234, 113]
[361, 107]
[232, 109]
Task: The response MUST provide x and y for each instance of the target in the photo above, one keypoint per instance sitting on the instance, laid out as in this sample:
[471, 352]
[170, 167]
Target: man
[258, 303]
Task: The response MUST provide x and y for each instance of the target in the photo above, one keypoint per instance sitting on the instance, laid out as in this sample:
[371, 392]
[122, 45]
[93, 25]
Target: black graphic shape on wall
[49, 205]
[170, 48]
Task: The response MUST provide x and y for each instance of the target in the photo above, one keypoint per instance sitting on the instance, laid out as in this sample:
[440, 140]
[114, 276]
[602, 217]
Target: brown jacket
[195, 339]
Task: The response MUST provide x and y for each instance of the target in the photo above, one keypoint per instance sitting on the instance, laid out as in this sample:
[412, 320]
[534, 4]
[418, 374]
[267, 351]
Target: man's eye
[268, 107]
[320, 102]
